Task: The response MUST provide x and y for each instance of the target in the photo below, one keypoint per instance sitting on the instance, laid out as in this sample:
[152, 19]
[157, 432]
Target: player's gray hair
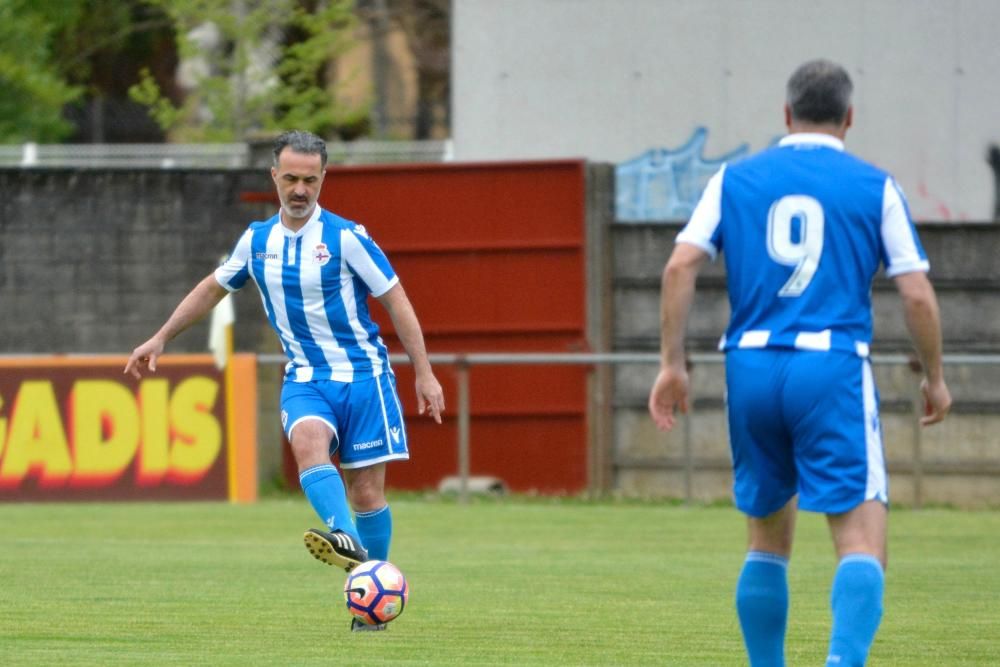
[819, 92]
[300, 142]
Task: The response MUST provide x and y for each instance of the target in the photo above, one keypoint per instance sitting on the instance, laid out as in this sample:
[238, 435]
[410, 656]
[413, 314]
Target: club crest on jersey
[321, 255]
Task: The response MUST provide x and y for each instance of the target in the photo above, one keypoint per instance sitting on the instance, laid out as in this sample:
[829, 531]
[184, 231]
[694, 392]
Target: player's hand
[144, 358]
[430, 397]
[937, 401]
[670, 392]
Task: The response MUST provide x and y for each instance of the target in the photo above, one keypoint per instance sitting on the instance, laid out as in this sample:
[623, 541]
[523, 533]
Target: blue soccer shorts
[365, 417]
[803, 422]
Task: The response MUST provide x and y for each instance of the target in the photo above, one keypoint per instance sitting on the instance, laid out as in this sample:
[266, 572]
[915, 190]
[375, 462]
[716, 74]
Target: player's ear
[849, 117]
[788, 116]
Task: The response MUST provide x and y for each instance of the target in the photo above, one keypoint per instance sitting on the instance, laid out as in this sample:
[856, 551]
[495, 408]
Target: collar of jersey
[311, 221]
[800, 138]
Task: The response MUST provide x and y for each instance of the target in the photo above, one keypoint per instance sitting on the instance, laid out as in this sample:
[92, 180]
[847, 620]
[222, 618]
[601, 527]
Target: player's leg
[319, 477]
[375, 435]
[859, 537]
[764, 489]
[862, 530]
[843, 475]
[340, 546]
[762, 588]
[311, 433]
[366, 493]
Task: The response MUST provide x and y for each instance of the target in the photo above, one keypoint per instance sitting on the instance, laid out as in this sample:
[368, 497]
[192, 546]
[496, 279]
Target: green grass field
[512, 582]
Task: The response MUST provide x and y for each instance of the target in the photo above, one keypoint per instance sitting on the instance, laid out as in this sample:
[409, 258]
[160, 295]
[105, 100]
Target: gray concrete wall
[94, 261]
[608, 79]
[957, 462]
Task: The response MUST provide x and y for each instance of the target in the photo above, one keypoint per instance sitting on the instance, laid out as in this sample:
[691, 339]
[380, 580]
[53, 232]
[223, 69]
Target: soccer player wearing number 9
[804, 227]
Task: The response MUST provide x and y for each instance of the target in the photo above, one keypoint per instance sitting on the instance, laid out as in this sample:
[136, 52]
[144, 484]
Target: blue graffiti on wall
[663, 184]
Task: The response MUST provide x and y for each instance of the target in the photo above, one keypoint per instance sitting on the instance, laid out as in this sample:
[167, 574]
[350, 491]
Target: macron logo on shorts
[371, 444]
[395, 434]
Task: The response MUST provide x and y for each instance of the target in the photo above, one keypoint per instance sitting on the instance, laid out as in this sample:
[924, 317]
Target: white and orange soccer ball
[376, 592]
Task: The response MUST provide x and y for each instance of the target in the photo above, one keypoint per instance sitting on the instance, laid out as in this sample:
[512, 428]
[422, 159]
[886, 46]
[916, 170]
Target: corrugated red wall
[492, 257]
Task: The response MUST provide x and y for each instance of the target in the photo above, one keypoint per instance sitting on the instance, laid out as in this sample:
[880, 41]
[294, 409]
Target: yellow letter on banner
[3, 430]
[198, 434]
[36, 441]
[154, 395]
[105, 430]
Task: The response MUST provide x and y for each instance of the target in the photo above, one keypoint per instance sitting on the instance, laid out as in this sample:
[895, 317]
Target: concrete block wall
[957, 462]
[95, 260]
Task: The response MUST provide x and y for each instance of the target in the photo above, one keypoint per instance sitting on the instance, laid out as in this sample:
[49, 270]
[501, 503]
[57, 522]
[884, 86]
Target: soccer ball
[376, 592]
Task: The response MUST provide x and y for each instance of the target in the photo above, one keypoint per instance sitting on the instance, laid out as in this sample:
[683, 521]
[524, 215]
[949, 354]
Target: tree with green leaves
[33, 88]
[251, 66]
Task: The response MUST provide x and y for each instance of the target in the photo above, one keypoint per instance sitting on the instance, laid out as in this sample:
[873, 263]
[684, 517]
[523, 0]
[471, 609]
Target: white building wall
[609, 79]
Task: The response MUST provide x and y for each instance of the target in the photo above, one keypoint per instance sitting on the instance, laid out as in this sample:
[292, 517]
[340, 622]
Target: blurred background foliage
[112, 71]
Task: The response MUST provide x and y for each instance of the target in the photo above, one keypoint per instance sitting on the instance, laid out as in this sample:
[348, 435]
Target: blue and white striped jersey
[804, 227]
[315, 285]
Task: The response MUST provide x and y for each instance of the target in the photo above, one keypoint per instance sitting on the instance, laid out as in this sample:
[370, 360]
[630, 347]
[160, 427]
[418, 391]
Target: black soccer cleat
[337, 548]
[361, 626]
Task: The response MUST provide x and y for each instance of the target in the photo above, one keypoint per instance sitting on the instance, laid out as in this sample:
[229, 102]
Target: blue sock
[375, 528]
[325, 491]
[762, 606]
[856, 599]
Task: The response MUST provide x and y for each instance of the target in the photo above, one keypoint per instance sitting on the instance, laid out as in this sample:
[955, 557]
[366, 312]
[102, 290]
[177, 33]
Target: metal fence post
[918, 456]
[688, 460]
[462, 377]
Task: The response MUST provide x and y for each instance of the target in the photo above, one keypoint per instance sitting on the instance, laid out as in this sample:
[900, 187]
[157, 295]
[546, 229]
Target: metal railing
[463, 363]
[208, 156]
[126, 156]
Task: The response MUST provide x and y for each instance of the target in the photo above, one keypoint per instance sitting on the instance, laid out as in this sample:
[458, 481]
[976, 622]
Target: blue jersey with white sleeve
[804, 227]
[315, 284]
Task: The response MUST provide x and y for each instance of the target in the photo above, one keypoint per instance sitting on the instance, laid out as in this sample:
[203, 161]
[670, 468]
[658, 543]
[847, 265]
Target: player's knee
[310, 443]
[307, 457]
[309, 452]
[365, 496]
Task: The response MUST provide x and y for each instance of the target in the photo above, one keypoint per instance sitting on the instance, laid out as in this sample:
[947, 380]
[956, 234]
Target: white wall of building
[609, 79]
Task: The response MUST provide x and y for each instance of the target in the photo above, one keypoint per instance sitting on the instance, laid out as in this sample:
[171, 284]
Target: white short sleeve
[368, 261]
[706, 217]
[235, 271]
[903, 252]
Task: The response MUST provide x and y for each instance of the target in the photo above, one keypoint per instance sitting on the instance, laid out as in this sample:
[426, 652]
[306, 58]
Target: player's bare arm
[670, 390]
[198, 303]
[430, 397]
[923, 320]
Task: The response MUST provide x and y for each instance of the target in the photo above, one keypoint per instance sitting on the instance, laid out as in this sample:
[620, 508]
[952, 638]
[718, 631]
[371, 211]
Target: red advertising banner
[76, 428]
